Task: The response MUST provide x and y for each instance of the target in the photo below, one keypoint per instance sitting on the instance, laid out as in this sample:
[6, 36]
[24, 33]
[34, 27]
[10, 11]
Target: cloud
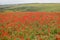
[28, 1]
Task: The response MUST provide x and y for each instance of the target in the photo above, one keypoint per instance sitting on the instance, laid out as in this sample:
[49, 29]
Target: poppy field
[30, 26]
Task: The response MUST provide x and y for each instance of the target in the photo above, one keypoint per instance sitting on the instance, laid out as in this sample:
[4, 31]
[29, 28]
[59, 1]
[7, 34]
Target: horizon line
[29, 3]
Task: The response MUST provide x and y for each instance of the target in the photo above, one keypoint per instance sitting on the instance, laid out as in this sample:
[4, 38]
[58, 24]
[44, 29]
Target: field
[30, 21]
[34, 7]
[30, 26]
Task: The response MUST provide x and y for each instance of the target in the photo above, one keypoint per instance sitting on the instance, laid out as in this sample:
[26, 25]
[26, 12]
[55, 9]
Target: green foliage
[0, 38]
[51, 37]
[1, 24]
[20, 33]
[0, 33]
[54, 31]
[17, 38]
[11, 38]
[5, 38]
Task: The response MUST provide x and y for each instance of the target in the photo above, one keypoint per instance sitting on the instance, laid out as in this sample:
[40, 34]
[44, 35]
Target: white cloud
[28, 1]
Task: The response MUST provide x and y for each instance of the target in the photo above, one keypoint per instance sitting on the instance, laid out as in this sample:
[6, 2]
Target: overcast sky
[27, 1]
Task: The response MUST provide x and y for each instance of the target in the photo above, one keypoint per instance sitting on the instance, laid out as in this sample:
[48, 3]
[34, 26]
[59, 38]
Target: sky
[27, 1]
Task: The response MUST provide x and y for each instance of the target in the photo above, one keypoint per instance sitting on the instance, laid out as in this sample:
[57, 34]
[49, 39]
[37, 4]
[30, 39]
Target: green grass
[33, 7]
